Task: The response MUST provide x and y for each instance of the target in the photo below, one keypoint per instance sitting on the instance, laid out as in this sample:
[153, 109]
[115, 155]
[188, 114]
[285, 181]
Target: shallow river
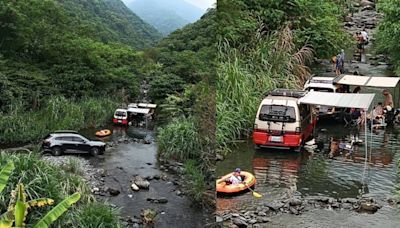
[314, 173]
[125, 160]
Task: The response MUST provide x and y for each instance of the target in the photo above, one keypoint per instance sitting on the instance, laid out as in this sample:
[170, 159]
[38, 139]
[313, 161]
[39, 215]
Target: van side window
[304, 112]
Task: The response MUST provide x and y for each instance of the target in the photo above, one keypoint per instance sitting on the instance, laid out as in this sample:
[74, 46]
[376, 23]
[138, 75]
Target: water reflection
[279, 172]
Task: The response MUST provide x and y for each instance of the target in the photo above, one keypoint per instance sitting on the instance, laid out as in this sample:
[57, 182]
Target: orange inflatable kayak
[224, 187]
[103, 133]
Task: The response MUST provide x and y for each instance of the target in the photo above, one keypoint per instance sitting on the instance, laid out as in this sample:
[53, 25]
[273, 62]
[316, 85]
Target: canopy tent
[343, 100]
[139, 110]
[147, 105]
[370, 81]
[142, 105]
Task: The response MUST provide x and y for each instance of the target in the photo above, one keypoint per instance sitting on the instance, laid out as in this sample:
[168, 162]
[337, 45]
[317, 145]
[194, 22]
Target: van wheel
[95, 151]
[56, 151]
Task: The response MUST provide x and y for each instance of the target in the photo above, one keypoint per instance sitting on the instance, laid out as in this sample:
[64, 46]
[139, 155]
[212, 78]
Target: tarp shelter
[139, 110]
[370, 81]
[147, 105]
[343, 100]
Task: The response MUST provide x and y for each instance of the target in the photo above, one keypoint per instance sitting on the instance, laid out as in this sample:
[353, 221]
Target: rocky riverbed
[263, 213]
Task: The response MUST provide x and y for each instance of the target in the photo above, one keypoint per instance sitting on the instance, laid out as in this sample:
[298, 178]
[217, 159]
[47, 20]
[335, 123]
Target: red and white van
[121, 116]
[282, 122]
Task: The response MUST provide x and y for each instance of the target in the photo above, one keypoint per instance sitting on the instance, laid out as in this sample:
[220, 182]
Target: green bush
[97, 215]
[42, 180]
[179, 140]
[196, 180]
[389, 31]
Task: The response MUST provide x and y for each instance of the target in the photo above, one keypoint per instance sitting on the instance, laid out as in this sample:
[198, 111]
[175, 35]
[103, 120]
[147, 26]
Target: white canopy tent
[139, 110]
[369, 81]
[344, 100]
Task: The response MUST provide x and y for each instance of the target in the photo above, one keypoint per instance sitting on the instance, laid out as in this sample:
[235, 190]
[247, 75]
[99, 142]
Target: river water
[127, 159]
[314, 173]
[279, 172]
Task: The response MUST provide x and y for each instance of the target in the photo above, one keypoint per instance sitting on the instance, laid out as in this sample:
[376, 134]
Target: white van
[282, 122]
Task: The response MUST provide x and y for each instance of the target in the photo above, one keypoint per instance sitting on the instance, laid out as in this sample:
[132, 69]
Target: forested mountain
[166, 16]
[109, 21]
[70, 48]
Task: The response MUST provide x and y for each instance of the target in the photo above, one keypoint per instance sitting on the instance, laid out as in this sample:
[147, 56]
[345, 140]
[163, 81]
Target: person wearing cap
[235, 178]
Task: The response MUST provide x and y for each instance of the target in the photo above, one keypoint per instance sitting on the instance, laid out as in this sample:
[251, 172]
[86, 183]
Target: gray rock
[294, 210]
[240, 223]
[113, 191]
[347, 205]
[274, 206]
[235, 215]
[219, 219]
[252, 221]
[262, 214]
[158, 200]
[141, 183]
[219, 157]
[349, 200]
[295, 202]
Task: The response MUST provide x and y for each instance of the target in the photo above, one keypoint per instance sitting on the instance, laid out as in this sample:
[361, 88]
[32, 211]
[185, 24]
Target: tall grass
[20, 125]
[41, 180]
[247, 72]
[97, 215]
[180, 140]
[196, 180]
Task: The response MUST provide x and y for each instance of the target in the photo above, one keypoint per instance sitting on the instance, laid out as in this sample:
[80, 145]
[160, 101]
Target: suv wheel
[56, 151]
[95, 151]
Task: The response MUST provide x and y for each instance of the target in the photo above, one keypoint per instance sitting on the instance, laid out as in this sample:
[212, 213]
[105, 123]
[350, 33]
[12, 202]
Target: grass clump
[21, 125]
[179, 140]
[196, 180]
[97, 215]
[43, 180]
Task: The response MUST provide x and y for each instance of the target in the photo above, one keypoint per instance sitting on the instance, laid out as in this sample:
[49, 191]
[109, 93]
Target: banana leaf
[57, 211]
[5, 174]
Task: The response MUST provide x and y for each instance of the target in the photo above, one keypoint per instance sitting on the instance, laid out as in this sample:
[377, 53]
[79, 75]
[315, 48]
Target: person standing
[388, 98]
[365, 37]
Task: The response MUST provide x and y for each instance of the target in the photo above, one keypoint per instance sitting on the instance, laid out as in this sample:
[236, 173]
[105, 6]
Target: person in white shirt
[236, 179]
[364, 34]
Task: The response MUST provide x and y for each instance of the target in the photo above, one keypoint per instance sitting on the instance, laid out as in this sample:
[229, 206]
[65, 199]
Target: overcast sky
[204, 4]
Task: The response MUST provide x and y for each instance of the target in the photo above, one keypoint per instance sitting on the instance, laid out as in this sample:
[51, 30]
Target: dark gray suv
[61, 142]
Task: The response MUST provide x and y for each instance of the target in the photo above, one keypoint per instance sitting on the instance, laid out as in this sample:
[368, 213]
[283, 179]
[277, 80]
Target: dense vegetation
[188, 102]
[71, 50]
[264, 45]
[389, 31]
[42, 180]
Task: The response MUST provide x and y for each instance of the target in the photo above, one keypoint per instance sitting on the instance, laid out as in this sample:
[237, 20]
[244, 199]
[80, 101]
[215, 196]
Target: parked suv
[61, 142]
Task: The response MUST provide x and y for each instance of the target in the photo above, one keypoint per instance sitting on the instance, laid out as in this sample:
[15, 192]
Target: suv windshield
[120, 113]
[277, 113]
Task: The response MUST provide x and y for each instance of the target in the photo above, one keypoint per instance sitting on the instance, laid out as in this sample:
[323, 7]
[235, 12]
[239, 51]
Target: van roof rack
[288, 93]
[66, 131]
